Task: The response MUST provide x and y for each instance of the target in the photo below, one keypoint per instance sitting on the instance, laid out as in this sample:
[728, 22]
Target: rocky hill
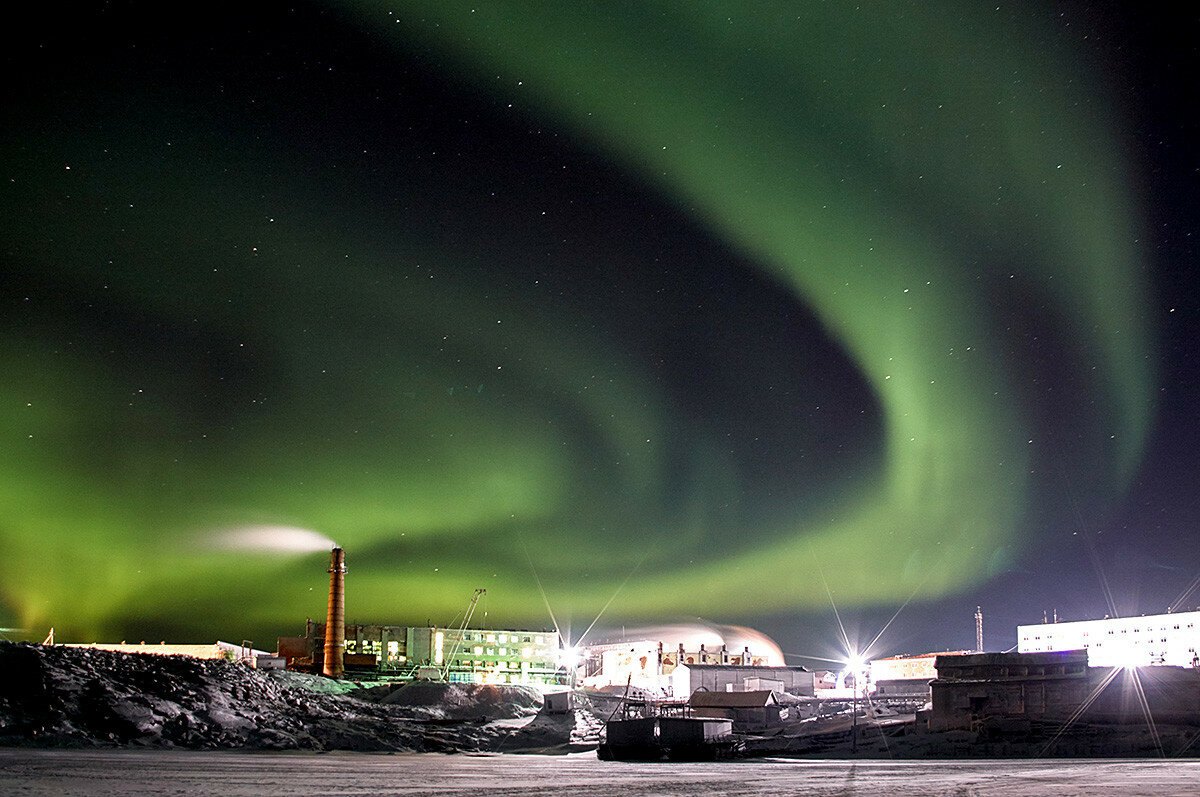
[53, 696]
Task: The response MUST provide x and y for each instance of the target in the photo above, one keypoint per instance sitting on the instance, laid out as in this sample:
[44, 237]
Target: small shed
[559, 702]
[749, 711]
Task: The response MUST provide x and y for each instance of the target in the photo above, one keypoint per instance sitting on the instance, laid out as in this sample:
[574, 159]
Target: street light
[856, 666]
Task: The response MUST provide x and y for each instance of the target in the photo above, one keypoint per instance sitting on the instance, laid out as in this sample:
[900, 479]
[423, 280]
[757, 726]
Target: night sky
[738, 311]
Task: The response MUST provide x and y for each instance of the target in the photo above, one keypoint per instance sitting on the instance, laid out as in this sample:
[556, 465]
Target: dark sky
[664, 311]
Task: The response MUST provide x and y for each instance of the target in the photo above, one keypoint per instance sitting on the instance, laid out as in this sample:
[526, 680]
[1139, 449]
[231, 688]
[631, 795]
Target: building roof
[782, 667]
[756, 699]
[903, 656]
[1000, 659]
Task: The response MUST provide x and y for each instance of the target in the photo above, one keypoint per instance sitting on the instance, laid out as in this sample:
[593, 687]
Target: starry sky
[646, 310]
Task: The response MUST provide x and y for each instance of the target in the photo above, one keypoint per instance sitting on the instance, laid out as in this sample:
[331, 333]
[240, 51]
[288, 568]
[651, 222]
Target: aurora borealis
[674, 308]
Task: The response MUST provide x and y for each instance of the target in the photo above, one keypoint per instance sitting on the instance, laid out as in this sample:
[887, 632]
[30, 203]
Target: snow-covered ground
[152, 772]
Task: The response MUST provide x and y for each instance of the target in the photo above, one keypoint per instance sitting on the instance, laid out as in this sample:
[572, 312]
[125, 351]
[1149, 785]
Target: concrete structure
[973, 690]
[465, 655]
[1160, 639]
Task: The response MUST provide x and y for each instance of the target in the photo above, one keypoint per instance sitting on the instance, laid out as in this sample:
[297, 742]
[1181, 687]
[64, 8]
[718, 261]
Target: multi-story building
[900, 676]
[1170, 639]
[508, 656]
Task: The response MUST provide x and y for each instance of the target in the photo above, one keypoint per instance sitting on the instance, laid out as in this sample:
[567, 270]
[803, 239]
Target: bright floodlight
[569, 657]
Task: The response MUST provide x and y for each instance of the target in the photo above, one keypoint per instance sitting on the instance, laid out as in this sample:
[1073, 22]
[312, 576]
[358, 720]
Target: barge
[649, 731]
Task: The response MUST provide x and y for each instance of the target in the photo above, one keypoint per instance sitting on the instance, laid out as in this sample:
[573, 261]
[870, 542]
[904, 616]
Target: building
[1159, 639]
[906, 676]
[972, 690]
[655, 669]
[976, 687]
[748, 711]
[511, 656]
[793, 680]
[221, 651]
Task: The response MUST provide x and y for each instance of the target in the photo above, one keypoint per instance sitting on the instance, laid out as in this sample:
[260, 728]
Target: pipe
[335, 620]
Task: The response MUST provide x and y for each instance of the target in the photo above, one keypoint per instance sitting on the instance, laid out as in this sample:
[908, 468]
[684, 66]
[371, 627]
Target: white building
[1170, 639]
[687, 678]
[650, 667]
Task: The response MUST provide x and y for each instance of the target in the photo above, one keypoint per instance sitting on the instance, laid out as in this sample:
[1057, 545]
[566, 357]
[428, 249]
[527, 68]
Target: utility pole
[854, 717]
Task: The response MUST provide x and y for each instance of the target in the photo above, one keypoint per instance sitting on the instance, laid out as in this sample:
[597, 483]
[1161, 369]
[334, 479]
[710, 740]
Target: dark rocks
[78, 697]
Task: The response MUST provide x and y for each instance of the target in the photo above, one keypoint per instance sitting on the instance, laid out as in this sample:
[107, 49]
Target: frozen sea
[113, 772]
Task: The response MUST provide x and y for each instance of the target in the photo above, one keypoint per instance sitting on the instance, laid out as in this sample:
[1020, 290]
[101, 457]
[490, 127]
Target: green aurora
[211, 333]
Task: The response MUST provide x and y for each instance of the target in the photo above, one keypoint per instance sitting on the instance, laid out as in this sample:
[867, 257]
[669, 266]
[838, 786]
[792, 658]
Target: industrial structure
[1159, 639]
[461, 654]
[511, 656]
[649, 668]
[1014, 688]
[335, 640]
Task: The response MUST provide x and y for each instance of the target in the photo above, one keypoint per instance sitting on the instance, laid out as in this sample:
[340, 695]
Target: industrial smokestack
[335, 620]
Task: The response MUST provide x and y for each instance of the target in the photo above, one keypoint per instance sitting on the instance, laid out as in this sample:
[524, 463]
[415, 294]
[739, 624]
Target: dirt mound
[465, 701]
[59, 696]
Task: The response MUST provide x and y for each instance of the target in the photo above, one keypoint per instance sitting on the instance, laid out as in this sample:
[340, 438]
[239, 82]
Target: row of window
[493, 638]
[1123, 631]
[524, 653]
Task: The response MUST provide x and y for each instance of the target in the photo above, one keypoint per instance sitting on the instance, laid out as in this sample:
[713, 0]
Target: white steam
[272, 539]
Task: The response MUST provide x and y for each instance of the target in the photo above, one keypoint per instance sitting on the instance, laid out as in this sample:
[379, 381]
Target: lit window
[503, 638]
[491, 637]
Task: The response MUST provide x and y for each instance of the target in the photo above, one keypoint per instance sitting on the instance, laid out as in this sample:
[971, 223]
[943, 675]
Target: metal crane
[461, 629]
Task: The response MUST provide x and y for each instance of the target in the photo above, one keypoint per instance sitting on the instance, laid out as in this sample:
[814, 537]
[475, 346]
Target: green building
[483, 656]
